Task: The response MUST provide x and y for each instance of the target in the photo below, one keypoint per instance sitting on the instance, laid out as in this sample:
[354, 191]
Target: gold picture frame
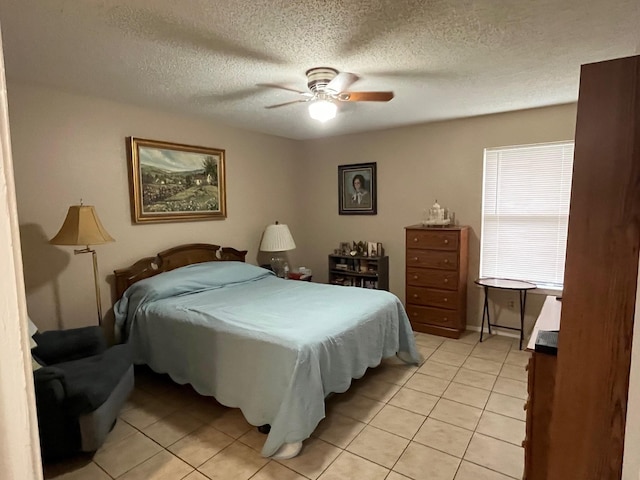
[171, 182]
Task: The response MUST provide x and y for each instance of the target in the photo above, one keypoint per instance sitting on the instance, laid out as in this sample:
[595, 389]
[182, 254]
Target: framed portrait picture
[357, 189]
[171, 182]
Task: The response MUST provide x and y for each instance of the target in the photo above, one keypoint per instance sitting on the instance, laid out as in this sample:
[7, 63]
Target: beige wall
[68, 147]
[415, 166]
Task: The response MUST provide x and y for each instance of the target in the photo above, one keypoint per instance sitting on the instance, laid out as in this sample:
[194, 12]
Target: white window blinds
[525, 212]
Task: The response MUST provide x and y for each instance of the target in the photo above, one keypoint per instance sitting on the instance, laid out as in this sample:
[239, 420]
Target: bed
[273, 348]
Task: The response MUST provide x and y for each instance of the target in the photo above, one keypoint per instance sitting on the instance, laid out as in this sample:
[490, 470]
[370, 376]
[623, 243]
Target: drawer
[433, 298]
[436, 240]
[432, 259]
[433, 316]
[428, 277]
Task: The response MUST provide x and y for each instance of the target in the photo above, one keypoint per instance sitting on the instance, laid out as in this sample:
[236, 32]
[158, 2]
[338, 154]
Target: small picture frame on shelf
[345, 248]
[380, 250]
[372, 249]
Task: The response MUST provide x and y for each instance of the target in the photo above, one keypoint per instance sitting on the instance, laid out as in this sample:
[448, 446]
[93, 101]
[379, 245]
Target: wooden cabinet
[366, 272]
[436, 279]
[541, 385]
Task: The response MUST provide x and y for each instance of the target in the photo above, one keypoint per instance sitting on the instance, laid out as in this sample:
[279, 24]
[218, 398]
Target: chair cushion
[90, 381]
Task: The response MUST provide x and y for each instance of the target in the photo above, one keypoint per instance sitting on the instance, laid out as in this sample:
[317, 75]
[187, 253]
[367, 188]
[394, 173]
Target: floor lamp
[82, 227]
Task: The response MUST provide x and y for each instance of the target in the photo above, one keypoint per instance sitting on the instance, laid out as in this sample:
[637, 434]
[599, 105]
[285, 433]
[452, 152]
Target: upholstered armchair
[80, 389]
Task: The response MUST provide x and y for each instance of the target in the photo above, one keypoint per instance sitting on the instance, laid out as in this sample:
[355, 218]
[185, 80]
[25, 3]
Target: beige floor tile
[424, 463]
[496, 455]
[122, 456]
[501, 427]
[519, 358]
[355, 406]
[398, 375]
[482, 365]
[471, 471]
[456, 414]
[514, 372]
[349, 466]
[398, 421]
[448, 358]
[206, 409]
[162, 466]
[200, 445]
[454, 346]
[438, 370]
[315, 457]
[172, 428]
[254, 439]
[120, 431]
[513, 388]
[137, 398]
[444, 437]
[430, 341]
[379, 446]
[237, 462]
[414, 401]
[232, 423]
[427, 384]
[487, 353]
[505, 405]
[469, 337]
[195, 475]
[475, 379]
[274, 471]
[499, 342]
[75, 469]
[146, 414]
[375, 389]
[424, 351]
[476, 397]
[396, 476]
[338, 430]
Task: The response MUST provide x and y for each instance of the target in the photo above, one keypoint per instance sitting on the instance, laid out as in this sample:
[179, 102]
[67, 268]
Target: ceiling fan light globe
[322, 110]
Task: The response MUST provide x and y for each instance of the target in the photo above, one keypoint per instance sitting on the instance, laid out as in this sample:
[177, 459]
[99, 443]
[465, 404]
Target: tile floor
[457, 416]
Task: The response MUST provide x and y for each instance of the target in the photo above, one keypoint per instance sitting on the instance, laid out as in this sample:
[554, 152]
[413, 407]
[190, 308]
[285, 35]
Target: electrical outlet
[511, 304]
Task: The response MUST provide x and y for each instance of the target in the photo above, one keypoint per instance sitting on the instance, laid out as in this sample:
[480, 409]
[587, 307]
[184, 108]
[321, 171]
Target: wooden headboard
[173, 258]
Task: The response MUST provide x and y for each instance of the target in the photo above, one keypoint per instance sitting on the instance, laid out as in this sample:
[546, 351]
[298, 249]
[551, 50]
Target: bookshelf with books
[359, 271]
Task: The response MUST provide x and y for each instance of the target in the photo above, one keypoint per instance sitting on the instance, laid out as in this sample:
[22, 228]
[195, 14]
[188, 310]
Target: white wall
[68, 147]
[416, 165]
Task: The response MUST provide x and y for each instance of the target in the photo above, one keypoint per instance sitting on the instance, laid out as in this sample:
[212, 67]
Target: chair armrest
[50, 386]
[57, 346]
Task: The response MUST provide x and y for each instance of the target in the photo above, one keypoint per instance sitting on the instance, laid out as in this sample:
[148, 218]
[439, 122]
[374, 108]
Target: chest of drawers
[436, 279]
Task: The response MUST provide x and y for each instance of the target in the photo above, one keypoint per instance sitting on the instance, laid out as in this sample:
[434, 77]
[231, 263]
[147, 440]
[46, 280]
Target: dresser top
[435, 228]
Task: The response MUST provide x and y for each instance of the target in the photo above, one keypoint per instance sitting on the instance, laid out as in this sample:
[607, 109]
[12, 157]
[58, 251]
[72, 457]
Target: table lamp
[277, 238]
[82, 227]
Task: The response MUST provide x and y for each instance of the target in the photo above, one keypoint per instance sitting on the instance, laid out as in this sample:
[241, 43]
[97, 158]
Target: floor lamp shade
[82, 227]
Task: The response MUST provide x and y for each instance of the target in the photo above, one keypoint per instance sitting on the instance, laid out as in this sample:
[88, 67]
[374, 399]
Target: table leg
[523, 303]
[485, 311]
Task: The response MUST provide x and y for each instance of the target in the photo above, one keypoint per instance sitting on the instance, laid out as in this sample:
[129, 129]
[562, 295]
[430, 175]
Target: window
[525, 212]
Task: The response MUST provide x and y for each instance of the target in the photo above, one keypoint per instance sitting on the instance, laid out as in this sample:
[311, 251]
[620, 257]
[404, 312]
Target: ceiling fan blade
[287, 103]
[342, 82]
[365, 96]
[282, 87]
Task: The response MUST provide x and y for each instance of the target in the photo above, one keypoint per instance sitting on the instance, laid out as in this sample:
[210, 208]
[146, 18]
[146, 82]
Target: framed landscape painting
[357, 189]
[172, 182]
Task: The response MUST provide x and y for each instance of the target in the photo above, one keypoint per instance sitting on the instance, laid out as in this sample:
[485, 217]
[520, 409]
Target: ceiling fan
[327, 87]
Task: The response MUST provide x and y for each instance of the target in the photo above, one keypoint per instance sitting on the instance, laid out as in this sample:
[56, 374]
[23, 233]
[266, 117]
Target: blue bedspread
[273, 348]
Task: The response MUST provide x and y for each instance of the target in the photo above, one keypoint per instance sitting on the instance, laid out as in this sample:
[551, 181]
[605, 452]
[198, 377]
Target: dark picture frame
[171, 182]
[357, 189]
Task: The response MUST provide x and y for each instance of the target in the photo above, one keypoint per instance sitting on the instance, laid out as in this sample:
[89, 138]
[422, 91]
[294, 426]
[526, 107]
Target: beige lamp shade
[81, 227]
[277, 238]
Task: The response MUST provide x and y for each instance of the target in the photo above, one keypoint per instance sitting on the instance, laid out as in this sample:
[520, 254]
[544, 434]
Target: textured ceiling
[442, 58]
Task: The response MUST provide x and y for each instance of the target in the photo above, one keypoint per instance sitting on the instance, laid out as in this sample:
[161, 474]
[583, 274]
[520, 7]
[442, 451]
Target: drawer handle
[415, 295]
[415, 259]
[445, 319]
[445, 299]
[446, 260]
[415, 277]
[414, 314]
[415, 239]
[446, 280]
[446, 241]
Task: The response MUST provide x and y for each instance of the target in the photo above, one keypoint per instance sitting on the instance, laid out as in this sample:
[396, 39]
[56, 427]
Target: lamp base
[277, 265]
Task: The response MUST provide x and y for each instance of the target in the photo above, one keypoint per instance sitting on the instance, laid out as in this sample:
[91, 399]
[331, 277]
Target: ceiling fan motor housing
[318, 78]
